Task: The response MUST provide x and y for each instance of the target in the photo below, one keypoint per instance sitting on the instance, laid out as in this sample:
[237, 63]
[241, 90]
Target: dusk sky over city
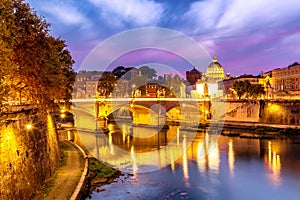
[246, 36]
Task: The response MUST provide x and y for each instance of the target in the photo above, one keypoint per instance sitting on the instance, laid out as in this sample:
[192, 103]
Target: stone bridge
[141, 110]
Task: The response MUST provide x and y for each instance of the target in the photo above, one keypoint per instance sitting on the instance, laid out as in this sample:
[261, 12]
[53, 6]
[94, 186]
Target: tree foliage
[245, 88]
[106, 84]
[148, 72]
[36, 66]
[173, 85]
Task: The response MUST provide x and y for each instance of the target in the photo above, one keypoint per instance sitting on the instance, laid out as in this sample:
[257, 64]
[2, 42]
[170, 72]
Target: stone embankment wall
[270, 112]
[28, 157]
[247, 111]
[280, 112]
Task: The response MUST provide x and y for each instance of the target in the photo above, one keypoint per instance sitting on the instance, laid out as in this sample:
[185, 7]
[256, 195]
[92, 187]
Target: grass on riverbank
[99, 174]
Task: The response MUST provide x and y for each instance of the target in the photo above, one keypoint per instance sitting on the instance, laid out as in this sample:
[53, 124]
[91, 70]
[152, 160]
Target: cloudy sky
[246, 36]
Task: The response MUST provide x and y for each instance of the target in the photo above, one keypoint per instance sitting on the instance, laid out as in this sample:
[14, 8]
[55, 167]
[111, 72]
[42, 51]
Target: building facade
[193, 75]
[286, 82]
[215, 71]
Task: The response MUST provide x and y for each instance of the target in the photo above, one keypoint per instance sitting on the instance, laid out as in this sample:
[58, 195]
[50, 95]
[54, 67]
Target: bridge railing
[142, 99]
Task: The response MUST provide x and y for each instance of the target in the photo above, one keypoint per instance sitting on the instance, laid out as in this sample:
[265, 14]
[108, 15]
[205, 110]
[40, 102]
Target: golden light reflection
[185, 163]
[111, 145]
[274, 164]
[173, 166]
[214, 158]
[177, 136]
[124, 137]
[231, 157]
[134, 164]
[200, 157]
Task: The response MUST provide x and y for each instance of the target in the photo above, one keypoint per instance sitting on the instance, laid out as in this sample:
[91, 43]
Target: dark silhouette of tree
[119, 71]
[107, 84]
[256, 91]
[148, 72]
[239, 88]
[245, 88]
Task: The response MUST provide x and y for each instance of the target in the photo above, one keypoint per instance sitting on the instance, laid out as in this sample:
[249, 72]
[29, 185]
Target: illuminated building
[201, 88]
[215, 71]
[287, 81]
[193, 75]
[214, 74]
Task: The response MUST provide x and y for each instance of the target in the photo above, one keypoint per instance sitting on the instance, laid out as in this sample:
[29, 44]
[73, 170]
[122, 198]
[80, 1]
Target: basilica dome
[215, 70]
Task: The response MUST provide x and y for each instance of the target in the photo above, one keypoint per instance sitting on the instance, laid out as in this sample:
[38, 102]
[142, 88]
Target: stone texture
[28, 157]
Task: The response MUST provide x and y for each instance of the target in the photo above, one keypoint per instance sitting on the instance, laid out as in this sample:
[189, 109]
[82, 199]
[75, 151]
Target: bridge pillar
[102, 122]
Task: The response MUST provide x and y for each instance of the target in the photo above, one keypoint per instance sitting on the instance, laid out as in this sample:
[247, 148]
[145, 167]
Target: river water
[232, 168]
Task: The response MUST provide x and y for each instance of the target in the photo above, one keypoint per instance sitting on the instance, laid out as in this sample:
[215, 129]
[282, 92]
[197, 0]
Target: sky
[246, 36]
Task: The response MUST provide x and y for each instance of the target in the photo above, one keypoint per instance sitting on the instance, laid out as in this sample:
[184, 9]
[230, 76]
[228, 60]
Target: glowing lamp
[28, 126]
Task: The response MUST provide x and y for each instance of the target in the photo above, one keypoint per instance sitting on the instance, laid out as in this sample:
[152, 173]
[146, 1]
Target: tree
[36, 66]
[239, 88]
[106, 84]
[173, 85]
[119, 71]
[148, 72]
[256, 91]
[242, 88]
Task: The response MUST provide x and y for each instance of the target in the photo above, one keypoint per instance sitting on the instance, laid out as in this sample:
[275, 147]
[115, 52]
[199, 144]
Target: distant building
[201, 88]
[286, 81]
[207, 86]
[267, 82]
[193, 75]
[155, 89]
[83, 80]
[215, 71]
[214, 74]
[91, 88]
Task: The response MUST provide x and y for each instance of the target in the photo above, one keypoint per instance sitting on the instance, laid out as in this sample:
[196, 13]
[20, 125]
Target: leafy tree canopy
[246, 89]
[148, 72]
[34, 66]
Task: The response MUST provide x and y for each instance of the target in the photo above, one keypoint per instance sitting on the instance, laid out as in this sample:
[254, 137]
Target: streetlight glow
[28, 126]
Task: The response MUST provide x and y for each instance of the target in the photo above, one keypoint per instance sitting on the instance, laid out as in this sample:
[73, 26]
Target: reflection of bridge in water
[145, 111]
[138, 139]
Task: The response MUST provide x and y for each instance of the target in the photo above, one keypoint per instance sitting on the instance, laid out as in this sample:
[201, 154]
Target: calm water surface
[235, 168]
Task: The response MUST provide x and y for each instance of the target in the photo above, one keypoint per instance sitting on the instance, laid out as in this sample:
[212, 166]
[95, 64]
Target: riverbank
[99, 175]
[259, 130]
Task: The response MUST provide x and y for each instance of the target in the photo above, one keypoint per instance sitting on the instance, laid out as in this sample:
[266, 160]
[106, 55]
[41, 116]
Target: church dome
[215, 70]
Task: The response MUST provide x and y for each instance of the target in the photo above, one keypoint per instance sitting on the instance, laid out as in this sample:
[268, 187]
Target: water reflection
[274, 164]
[185, 162]
[231, 157]
[232, 168]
